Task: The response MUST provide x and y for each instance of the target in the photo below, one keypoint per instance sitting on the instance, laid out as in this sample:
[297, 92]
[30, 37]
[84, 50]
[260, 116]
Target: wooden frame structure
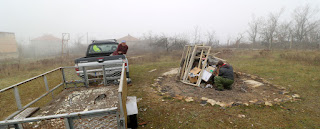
[189, 56]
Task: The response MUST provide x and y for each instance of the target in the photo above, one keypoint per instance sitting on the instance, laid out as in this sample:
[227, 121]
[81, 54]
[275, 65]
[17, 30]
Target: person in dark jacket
[225, 78]
[122, 48]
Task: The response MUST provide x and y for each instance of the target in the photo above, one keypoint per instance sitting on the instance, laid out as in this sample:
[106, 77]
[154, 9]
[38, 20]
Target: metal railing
[51, 81]
[23, 91]
[68, 118]
[123, 92]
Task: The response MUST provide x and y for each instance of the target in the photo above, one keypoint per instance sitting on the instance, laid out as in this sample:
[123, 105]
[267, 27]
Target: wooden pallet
[188, 57]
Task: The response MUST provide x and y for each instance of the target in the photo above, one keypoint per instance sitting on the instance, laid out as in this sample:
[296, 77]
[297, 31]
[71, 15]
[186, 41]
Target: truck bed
[82, 99]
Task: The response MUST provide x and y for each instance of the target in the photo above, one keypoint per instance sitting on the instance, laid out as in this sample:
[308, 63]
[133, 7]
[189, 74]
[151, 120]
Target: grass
[294, 75]
[13, 71]
[279, 67]
[31, 90]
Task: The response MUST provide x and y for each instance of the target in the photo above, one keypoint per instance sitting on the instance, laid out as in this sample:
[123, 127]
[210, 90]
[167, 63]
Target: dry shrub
[225, 53]
[265, 53]
[13, 67]
[308, 57]
[262, 54]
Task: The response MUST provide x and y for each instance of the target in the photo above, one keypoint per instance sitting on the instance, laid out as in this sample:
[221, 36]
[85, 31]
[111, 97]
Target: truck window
[103, 48]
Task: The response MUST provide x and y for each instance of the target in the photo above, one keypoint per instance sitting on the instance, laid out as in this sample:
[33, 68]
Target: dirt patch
[247, 89]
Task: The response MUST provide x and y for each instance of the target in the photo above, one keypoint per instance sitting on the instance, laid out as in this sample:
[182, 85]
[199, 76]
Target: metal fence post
[118, 119]
[68, 122]
[86, 83]
[63, 78]
[18, 126]
[17, 96]
[46, 84]
[104, 74]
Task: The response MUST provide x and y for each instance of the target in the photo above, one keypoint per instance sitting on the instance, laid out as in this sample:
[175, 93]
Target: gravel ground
[81, 99]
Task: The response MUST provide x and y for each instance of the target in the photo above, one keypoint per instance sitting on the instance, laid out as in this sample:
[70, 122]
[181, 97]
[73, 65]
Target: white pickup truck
[99, 55]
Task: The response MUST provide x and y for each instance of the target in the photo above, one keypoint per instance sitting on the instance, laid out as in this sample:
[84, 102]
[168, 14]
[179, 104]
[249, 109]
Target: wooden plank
[200, 59]
[123, 92]
[205, 63]
[189, 83]
[124, 96]
[26, 113]
[185, 62]
[204, 47]
[181, 68]
[190, 63]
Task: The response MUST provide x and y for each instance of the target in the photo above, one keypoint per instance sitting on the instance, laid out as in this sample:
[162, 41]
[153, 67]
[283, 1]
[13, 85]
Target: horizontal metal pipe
[100, 70]
[69, 67]
[66, 115]
[75, 81]
[203, 47]
[32, 102]
[7, 88]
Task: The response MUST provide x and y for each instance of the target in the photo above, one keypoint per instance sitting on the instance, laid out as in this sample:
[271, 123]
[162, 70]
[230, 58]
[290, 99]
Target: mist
[115, 19]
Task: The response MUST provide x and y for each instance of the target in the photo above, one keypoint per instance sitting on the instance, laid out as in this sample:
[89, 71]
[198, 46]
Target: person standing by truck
[122, 48]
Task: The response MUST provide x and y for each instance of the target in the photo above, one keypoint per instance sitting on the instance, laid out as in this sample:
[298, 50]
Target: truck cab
[99, 54]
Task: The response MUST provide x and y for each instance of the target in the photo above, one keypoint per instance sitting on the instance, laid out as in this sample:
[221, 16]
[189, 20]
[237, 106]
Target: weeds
[306, 57]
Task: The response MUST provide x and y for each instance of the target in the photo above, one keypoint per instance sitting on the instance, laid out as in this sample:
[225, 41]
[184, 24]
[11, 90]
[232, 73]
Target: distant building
[8, 45]
[46, 46]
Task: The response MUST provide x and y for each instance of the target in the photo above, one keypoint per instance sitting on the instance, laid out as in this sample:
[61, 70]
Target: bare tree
[210, 37]
[178, 42]
[78, 39]
[238, 40]
[78, 45]
[149, 37]
[196, 34]
[169, 43]
[228, 40]
[304, 22]
[161, 42]
[253, 30]
[284, 33]
[269, 27]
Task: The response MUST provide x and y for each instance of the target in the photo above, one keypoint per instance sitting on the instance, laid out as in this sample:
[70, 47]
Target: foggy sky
[114, 19]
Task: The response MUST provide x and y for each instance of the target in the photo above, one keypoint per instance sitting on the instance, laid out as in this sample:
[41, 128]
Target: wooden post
[200, 59]
[182, 64]
[187, 55]
[190, 63]
[205, 63]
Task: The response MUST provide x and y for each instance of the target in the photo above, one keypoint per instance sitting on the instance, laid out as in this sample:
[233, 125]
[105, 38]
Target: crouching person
[225, 79]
